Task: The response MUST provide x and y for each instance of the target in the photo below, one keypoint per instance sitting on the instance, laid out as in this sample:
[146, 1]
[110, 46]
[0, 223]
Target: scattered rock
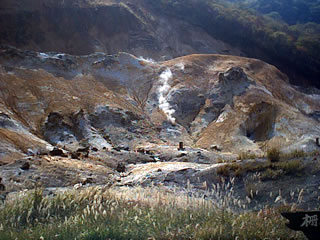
[75, 155]
[215, 148]
[141, 150]
[118, 149]
[181, 148]
[43, 153]
[77, 186]
[148, 152]
[2, 187]
[183, 159]
[94, 149]
[57, 152]
[121, 167]
[124, 147]
[83, 150]
[85, 181]
[182, 155]
[155, 158]
[31, 152]
[25, 166]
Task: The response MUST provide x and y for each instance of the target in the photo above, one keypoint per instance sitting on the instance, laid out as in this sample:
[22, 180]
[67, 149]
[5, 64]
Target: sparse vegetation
[97, 213]
[220, 160]
[271, 174]
[295, 154]
[273, 154]
[247, 155]
[314, 153]
[271, 170]
[229, 170]
[276, 170]
[251, 189]
[289, 167]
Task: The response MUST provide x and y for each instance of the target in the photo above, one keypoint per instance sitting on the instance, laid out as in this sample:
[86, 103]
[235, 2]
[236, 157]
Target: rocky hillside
[104, 101]
[69, 120]
[110, 26]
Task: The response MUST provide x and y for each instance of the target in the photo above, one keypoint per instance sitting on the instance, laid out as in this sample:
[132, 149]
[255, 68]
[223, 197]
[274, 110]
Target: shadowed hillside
[161, 30]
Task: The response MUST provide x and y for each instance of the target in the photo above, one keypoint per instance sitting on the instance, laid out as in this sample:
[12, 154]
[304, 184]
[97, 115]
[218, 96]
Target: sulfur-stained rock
[235, 103]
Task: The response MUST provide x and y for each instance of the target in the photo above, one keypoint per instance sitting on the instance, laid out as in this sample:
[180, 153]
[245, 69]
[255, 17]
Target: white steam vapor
[148, 60]
[164, 105]
[180, 65]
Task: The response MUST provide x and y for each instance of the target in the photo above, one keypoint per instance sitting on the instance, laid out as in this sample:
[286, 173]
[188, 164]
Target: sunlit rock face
[102, 101]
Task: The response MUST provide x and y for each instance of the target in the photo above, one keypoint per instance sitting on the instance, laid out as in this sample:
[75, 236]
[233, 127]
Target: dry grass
[270, 170]
[247, 155]
[251, 189]
[230, 170]
[296, 154]
[299, 154]
[152, 213]
[273, 154]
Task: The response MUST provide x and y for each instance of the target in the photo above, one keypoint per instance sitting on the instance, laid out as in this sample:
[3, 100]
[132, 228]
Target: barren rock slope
[105, 101]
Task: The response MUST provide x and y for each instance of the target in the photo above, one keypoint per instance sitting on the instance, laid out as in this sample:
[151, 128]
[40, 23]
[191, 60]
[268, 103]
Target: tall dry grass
[138, 213]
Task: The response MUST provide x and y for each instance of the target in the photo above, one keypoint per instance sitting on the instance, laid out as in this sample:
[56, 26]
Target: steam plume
[148, 60]
[180, 65]
[164, 105]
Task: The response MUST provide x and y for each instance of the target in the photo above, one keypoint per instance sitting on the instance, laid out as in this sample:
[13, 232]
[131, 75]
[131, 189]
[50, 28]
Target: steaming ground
[164, 93]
